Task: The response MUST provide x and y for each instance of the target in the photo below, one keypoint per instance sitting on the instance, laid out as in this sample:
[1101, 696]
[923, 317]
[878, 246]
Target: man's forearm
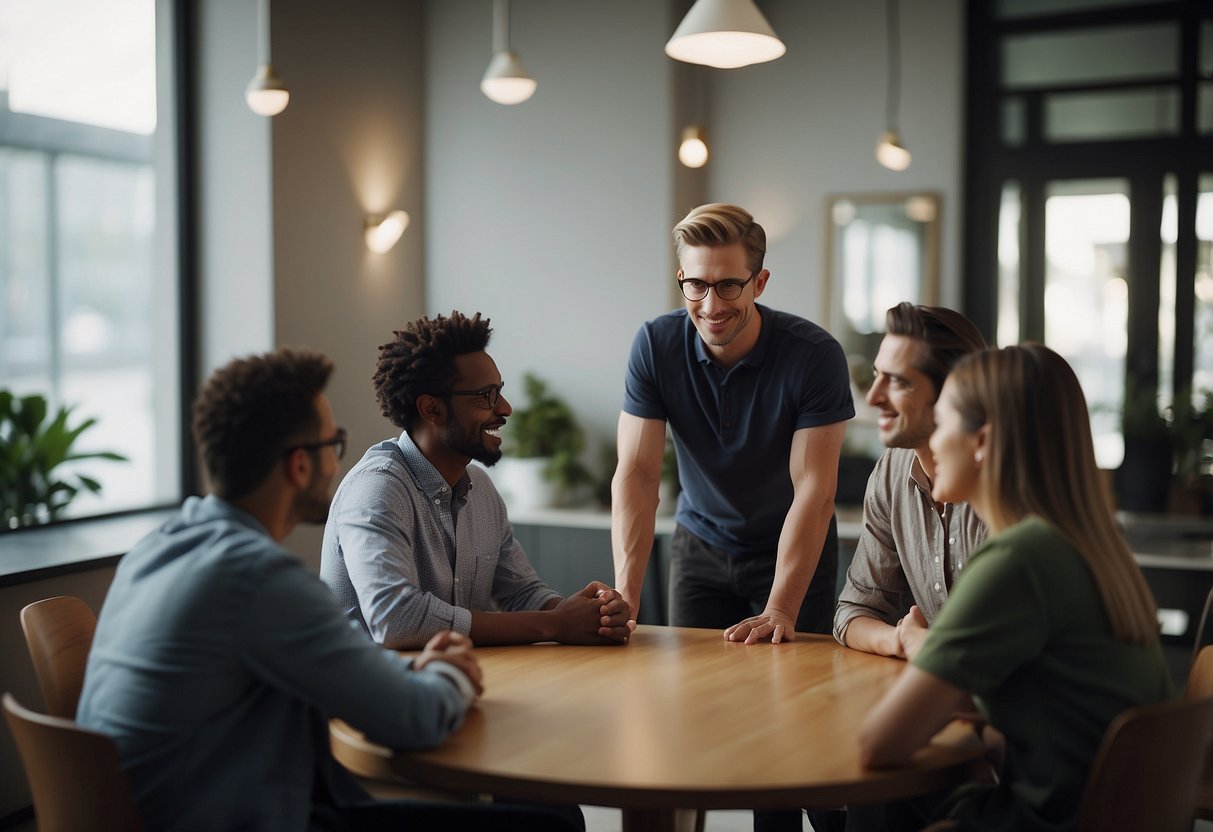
[522, 627]
[633, 519]
[800, 542]
[872, 635]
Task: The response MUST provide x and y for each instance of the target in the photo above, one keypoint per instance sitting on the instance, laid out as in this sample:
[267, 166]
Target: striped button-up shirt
[909, 551]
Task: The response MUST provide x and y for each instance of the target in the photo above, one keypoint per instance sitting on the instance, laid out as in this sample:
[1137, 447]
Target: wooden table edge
[953, 757]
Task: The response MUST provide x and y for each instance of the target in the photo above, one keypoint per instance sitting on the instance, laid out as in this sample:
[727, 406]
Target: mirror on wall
[881, 249]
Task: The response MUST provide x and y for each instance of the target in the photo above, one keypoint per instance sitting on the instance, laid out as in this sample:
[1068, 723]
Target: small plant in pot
[545, 439]
[33, 488]
[1143, 479]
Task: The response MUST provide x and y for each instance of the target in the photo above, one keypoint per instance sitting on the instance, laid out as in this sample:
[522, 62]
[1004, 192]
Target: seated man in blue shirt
[418, 541]
[218, 657]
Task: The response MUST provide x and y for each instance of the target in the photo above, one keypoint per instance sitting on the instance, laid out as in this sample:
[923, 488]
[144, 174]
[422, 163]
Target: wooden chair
[1200, 686]
[59, 633]
[1147, 769]
[74, 774]
[371, 765]
[1202, 639]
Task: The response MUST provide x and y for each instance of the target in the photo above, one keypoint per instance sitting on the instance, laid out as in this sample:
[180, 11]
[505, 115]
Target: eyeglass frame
[708, 287]
[491, 394]
[338, 443]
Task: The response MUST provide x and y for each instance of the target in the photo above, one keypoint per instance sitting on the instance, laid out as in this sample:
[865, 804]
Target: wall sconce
[384, 230]
[726, 34]
[266, 94]
[890, 152]
[505, 81]
[693, 150]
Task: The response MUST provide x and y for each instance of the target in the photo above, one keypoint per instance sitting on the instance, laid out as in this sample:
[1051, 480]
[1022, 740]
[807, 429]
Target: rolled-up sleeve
[875, 583]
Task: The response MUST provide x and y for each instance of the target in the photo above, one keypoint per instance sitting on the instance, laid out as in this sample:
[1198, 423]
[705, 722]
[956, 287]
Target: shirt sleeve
[297, 640]
[995, 621]
[875, 582]
[375, 522]
[641, 392]
[826, 396]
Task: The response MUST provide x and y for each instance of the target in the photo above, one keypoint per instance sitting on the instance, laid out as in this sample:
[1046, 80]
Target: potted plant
[1143, 481]
[544, 443]
[32, 448]
[1191, 428]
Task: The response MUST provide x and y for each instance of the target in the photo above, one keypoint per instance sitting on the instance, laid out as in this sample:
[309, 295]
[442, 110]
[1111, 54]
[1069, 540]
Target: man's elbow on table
[435, 711]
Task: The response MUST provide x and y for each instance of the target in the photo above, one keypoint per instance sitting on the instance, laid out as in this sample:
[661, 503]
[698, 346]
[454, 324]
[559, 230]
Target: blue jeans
[712, 587]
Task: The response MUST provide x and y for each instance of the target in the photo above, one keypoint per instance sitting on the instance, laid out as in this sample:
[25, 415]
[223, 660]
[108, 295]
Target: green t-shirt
[1026, 634]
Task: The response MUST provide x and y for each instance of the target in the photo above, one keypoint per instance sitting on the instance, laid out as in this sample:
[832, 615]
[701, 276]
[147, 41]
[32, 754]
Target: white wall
[235, 221]
[552, 216]
[790, 132]
[349, 144]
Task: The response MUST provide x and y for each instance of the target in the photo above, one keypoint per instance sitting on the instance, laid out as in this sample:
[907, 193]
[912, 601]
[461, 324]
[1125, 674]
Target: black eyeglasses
[693, 289]
[489, 394]
[338, 443]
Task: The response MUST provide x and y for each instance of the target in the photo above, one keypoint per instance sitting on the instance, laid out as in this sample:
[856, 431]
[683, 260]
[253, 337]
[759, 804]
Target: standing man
[218, 657]
[418, 540]
[757, 400]
[911, 547]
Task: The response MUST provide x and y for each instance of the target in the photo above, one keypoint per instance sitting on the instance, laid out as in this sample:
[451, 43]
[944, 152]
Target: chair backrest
[1202, 628]
[1200, 676]
[75, 775]
[59, 633]
[1200, 686]
[1147, 769]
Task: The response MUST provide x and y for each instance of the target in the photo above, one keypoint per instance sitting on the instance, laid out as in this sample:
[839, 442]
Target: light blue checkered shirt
[408, 556]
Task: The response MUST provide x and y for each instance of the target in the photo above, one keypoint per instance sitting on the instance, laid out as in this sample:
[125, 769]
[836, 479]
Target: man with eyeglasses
[418, 540]
[756, 400]
[219, 657]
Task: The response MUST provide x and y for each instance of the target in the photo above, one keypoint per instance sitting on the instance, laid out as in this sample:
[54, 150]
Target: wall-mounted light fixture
[693, 149]
[384, 230]
[505, 81]
[266, 94]
[890, 152]
[726, 34]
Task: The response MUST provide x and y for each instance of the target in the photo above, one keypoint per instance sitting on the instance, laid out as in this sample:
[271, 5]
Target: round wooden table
[678, 719]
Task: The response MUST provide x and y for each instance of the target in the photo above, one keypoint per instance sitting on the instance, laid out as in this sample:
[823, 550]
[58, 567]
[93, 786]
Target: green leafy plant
[32, 449]
[1190, 420]
[1141, 418]
[547, 428]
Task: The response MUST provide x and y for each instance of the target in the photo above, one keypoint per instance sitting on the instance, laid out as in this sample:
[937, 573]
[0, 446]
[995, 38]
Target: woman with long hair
[1051, 629]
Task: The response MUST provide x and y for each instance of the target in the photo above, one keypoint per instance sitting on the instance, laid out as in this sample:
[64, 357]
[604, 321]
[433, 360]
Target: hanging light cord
[501, 26]
[263, 23]
[893, 59]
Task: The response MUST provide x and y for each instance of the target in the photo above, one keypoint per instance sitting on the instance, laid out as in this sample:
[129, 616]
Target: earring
[978, 457]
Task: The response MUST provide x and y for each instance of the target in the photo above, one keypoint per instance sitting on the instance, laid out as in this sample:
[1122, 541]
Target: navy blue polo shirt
[733, 428]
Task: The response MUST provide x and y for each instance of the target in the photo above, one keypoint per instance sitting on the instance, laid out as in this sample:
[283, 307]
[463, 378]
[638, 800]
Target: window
[88, 277]
[1090, 169]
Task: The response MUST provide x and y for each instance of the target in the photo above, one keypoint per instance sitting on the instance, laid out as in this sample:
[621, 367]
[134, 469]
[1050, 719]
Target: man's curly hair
[251, 410]
[420, 360]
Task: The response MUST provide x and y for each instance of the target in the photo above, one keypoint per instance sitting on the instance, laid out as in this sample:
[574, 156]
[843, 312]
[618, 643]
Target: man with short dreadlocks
[418, 540]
